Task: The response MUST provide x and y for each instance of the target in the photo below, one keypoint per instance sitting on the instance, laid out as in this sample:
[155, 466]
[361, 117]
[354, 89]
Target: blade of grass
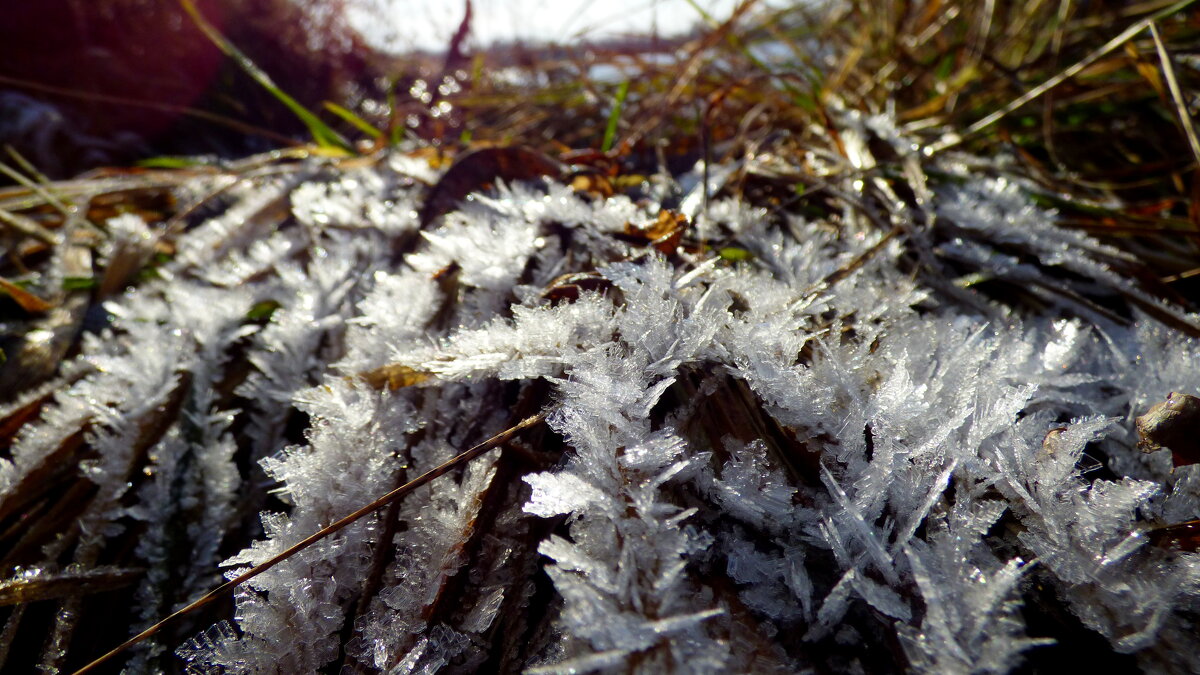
[25, 164]
[396, 128]
[1061, 77]
[28, 226]
[69, 212]
[231, 123]
[1185, 119]
[322, 134]
[169, 162]
[354, 119]
[610, 131]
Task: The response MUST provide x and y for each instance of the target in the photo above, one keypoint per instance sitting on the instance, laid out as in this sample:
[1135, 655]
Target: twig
[846, 270]
[228, 586]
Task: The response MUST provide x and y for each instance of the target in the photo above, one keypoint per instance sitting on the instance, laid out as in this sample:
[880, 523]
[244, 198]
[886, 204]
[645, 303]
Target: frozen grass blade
[423, 479]
[888, 320]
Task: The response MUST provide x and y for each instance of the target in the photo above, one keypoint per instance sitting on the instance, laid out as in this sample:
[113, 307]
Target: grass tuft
[322, 134]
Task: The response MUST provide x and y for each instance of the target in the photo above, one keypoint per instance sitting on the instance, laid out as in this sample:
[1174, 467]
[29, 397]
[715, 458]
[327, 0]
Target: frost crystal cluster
[889, 432]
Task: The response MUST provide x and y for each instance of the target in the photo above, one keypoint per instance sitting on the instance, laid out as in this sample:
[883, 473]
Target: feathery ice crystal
[825, 451]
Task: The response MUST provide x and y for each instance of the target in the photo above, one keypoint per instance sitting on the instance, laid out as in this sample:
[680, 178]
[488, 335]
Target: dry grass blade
[211, 596]
[53, 585]
[26, 165]
[1061, 77]
[849, 268]
[1185, 119]
[28, 226]
[41, 191]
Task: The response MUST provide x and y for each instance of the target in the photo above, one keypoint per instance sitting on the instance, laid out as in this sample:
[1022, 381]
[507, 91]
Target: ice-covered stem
[333, 528]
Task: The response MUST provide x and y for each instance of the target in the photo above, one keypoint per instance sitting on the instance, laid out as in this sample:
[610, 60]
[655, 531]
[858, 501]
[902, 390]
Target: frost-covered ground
[895, 433]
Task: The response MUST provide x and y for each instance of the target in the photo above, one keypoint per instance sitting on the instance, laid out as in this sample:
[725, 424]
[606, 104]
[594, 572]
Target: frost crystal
[821, 451]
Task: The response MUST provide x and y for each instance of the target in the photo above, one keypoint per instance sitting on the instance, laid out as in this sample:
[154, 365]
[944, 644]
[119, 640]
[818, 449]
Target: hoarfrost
[817, 454]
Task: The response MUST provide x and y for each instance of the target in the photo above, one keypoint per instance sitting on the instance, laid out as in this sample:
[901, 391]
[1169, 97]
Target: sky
[399, 25]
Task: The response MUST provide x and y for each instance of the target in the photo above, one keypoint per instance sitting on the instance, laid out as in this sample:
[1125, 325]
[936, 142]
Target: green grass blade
[322, 134]
[610, 131]
[396, 128]
[354, 119]
[169, 162]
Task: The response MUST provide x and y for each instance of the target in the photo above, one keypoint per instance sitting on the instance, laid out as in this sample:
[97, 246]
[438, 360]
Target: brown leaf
[1173, 424]
[593, 184]
[152, 204]
[479, 170]
[433, 155]
[568, 287]
[394, 376]
[664, 233]
[28, 301]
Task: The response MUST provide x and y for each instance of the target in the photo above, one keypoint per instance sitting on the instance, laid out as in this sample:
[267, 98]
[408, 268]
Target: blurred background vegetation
[110, 82]
[86, 83]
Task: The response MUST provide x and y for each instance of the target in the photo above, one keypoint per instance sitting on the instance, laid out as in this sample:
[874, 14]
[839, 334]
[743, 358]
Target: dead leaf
[28, 301]
[1173, 424]
[593, 184]
[394, 376]
[480, 170]
[664, 233]
[568, 287]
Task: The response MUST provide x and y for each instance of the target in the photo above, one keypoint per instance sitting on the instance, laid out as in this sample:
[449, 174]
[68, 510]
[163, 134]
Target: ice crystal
[824, 450]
